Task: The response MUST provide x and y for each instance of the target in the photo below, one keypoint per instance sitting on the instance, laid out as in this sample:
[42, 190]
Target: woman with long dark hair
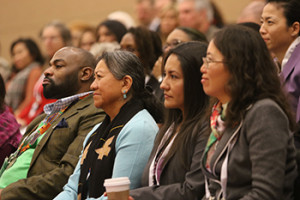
[173, 170]
[250, 152]
[27, 62]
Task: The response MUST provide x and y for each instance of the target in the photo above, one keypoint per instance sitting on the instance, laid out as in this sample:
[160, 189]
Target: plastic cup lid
[117, 184]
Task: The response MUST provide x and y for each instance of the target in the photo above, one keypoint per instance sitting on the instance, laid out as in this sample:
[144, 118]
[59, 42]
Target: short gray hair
[64, 31]
[121, 63]
[203, 5]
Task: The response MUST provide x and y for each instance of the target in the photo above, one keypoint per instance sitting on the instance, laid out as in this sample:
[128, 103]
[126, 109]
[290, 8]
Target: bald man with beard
[51, 145]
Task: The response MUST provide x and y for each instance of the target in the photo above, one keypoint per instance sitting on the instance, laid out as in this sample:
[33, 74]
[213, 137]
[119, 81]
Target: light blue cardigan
[133, 147]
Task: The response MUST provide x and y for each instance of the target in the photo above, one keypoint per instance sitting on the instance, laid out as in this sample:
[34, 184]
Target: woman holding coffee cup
[173, 170]
[121, 144]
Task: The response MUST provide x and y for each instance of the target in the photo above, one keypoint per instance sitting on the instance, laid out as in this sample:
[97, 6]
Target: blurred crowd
[185, 105]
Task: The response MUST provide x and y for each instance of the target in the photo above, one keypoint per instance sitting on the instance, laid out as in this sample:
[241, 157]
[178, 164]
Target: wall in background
[25, 18]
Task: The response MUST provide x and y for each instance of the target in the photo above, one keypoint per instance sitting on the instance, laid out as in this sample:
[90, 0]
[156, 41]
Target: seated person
[176, 37]
[173, 170]
[250, 153]
[9, 128]
[27, 68]
[146, 45]
[87, 38]
[54, 35]
[110, 31]
[49, 150]
[120, 146]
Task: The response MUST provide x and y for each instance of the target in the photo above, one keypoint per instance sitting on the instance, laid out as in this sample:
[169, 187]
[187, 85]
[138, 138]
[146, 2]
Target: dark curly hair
[253, 73]
[115, 27]
[148, 45]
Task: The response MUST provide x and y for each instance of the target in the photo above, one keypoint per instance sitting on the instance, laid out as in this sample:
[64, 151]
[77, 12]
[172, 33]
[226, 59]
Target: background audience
[252, 12]
[76, 28]
[88, 38]
[147, 46]
[176, 37]
[197, 14]
[168, 21]
[26, 70]
[233, 68]
[147, 14]
[110, 31]
[54, 36]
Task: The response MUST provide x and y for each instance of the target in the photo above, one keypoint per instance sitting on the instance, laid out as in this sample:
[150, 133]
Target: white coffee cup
[117, 188]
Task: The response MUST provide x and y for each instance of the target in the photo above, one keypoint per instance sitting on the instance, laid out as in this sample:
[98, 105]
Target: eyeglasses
[206, 62]
[173, 44]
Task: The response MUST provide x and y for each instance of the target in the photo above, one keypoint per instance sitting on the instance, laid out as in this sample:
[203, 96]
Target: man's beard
[69, 87]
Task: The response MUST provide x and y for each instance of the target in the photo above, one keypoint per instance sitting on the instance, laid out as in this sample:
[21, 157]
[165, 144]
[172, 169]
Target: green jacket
[56, 156]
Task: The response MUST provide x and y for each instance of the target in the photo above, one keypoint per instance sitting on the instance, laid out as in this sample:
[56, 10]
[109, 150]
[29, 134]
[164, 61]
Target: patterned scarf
[53, 111]
[217, 125]
[98, 158]
[162, 151]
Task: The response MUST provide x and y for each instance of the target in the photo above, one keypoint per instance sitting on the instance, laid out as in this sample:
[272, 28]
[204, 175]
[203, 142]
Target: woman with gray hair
[121, 144]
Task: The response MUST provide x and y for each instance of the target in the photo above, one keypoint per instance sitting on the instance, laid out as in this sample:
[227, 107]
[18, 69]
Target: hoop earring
[124, 94]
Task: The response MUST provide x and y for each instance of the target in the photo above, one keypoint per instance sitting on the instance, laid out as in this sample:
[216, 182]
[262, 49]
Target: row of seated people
[24, 88]
[23, 82]
[25, 97]
[243, 143]
[235, 125]
[27, 102]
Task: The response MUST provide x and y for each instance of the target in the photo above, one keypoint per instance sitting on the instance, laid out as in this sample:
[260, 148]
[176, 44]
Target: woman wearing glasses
[183, 34]
[177, 36]
[250, 152]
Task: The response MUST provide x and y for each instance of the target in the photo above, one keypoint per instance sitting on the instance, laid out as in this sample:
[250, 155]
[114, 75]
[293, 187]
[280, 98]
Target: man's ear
[295, 28]
[86, 73]
[127, 83]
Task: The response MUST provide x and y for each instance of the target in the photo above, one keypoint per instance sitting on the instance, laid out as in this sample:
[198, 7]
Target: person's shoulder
[142, 117]
[87, 104]
[263, 103]
[85, 110]
[35, 73]
[141, 125]
[142, 121]
[264, 108]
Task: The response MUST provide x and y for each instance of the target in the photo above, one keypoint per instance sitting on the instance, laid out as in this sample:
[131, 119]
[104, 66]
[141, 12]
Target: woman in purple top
[10, 135]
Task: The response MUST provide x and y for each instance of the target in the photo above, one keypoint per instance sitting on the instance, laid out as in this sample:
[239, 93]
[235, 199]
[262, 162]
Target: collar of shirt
[290, 51]
[62, 103]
